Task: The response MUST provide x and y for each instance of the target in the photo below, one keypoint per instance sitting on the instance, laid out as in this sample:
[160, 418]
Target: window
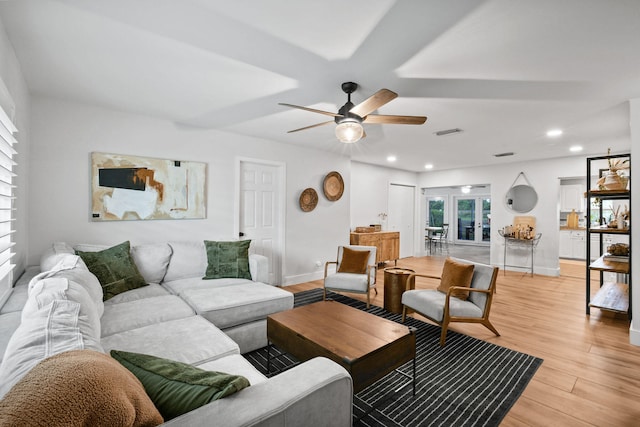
[7, 211]
[435, 212]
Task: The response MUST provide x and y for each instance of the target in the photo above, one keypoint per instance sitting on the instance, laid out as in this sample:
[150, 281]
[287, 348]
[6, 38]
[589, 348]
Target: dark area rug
[469, 382]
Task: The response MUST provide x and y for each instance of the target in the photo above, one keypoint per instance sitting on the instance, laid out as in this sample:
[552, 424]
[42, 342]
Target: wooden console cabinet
[387, 242]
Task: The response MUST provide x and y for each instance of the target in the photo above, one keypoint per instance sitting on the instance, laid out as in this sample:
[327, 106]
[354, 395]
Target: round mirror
[521, 198]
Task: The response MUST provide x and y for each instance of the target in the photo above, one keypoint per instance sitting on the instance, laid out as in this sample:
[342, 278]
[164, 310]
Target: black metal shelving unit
[612, 296]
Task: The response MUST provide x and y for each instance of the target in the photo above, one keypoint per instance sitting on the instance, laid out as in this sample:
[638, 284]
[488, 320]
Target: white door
[261, 213]
[402, 215]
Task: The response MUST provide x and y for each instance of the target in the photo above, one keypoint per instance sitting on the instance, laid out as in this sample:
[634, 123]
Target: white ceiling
[504, 71]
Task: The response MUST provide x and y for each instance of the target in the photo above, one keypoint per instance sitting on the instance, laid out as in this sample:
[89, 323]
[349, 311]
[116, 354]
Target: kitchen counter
[564, 227]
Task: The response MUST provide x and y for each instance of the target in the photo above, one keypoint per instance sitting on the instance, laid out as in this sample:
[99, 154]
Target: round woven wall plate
[333, 186]
[308, 200]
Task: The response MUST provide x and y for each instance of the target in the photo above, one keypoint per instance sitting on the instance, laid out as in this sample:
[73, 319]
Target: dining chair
[441, 236]
[355, 271]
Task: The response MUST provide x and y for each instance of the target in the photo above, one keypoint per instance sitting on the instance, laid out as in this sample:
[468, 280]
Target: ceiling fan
[350, 117]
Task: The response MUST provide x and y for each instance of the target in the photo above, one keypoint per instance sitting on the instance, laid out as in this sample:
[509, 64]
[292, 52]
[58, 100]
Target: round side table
[395, 282]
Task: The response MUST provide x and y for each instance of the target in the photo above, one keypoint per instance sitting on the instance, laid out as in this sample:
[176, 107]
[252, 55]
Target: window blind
[7, 197]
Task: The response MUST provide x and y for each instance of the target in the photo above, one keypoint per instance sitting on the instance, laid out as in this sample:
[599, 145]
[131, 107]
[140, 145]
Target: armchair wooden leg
[324, 294]
[443, 333]
[489, 326]
[404, 313]
[368, 292]
[375, 289]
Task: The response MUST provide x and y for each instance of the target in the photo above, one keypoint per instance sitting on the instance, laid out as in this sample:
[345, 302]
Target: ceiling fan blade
[398, 120]
[374, 102]
[313, 110]
[312, 126]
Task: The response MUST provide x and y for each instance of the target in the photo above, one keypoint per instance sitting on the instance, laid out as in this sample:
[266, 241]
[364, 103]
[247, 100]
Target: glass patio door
[473, 219]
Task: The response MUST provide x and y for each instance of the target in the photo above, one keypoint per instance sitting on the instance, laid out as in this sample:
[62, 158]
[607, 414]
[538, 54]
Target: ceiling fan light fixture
[349, 131]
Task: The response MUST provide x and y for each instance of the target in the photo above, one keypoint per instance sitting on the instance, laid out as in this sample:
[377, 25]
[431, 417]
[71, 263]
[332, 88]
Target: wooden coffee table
[367, 346]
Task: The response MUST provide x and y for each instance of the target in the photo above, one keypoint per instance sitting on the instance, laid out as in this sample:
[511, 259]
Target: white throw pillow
[189, 259]
[53, 254]
[152, 260]
[73, 268]
[46, 291]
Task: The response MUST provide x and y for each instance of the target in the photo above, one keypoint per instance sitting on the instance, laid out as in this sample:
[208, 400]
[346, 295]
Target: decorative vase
[613, 181]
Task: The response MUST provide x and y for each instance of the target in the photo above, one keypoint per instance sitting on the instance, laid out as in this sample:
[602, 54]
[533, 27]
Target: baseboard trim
[302, 278]
[543, 271]
[634, 336]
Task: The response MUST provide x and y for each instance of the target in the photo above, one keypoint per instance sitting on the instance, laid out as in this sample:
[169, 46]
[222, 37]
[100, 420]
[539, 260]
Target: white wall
[370, 191]
[370, 195]
[64, 134]
[14, 98]
[543, 176]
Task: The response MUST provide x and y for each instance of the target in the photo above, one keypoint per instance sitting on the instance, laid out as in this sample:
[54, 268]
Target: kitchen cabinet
[572, 197]
[572, 244]
[613, 295]
[386, 242]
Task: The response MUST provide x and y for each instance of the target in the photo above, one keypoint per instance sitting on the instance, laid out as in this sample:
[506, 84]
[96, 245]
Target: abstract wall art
[142, 188]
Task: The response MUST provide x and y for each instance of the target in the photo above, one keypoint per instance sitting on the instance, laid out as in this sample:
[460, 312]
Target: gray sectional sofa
[177, 316]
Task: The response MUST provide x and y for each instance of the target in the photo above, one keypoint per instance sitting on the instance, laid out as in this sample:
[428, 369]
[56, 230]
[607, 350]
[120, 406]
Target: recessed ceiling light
[391, 158]
[466, 189]
[554, 133]
[428, 166]
[575, 148]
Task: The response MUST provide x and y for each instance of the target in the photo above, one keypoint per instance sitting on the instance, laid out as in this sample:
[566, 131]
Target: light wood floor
[590, 375]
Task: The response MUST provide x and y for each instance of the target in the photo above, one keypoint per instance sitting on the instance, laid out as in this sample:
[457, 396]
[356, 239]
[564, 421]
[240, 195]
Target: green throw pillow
[177, 388]
[227, 259]
[114, 268]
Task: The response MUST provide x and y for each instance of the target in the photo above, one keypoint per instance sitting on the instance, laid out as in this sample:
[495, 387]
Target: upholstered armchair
[355, 271]
[464, 294]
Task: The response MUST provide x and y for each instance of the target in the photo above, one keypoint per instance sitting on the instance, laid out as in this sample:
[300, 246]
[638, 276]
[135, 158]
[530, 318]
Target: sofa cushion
[430, 303]
[114, 268]
[227, 259]
[237, 365]
[50, 330]
[192, 340]
[188, 259]
[234, 305]
[143, 312]
[16, 300]
[79, 388]
[177, 287]
[149, 291]
[176, 388]
[9, 323]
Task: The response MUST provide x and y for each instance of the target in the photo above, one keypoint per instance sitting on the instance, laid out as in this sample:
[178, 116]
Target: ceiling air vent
[448, 131]
[503, 154]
